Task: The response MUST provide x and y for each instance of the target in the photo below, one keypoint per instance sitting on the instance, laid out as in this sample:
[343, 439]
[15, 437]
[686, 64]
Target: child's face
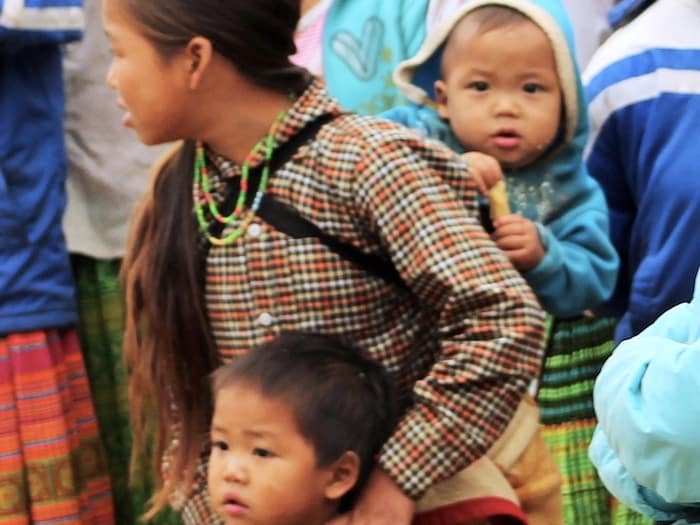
[150, 89]
[501, 91]
[261, 470]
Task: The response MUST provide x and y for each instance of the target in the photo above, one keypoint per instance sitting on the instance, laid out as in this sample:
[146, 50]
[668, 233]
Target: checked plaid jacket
[462, 342]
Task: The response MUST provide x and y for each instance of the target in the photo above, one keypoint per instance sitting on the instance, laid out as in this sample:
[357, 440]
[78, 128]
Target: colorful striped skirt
[101, 309]
[576, 352]
[52, 468]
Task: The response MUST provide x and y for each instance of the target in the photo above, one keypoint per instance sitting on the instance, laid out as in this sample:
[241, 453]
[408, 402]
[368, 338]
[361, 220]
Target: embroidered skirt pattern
[52, 467]
[576, 351]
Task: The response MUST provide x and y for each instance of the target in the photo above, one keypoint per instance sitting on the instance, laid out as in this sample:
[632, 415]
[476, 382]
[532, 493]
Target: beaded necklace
[201, 190]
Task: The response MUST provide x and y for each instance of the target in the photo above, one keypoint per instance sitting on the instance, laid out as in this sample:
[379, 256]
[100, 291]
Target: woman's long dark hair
[168, 345]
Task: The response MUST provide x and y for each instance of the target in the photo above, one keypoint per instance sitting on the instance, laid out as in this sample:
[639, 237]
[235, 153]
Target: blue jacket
[626, 10]
[36, 285]
[580, 265]
[646, 447]
[642, 87]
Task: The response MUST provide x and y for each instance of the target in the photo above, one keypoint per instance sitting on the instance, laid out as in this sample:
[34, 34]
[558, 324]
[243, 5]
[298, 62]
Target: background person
[52, 467]
[107, 175]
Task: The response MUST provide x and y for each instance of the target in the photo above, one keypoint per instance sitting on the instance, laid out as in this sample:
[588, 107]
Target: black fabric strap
[289, 221]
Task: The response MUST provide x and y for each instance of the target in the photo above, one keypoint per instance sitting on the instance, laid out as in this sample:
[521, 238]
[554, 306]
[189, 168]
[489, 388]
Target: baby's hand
[485, 170]
[520, 241]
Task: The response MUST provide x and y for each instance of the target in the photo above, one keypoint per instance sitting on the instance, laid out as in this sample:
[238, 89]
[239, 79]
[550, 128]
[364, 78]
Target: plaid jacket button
[265, 319]
[254, 230]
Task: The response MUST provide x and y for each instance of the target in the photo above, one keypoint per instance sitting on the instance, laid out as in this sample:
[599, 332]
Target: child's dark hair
[341, 400]
[257, 37]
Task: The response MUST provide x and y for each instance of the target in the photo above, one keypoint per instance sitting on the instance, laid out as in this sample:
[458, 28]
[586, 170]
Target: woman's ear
[198, 57]
[344, 473]
[441, 98]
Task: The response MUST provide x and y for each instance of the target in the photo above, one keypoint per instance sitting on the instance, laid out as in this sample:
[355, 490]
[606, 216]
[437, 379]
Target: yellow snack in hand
[498, 200]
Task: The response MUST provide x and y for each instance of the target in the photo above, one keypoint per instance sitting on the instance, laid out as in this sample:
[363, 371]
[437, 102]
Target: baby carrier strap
[289, 221]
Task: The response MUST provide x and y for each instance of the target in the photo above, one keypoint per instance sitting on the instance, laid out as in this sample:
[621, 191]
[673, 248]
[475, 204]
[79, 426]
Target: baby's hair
[341, 400]
[486, 18]
[491, 17]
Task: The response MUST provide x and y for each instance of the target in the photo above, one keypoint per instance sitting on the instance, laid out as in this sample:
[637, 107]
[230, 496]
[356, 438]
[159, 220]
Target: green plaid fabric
[576, 352]
[101, 328]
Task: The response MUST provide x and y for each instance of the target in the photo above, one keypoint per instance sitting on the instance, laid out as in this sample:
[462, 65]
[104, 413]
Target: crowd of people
[349, 262]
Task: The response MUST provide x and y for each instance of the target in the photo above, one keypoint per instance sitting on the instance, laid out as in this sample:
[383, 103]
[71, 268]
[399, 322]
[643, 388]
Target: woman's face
[151, 88]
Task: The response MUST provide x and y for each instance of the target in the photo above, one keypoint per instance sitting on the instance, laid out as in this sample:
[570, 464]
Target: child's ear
[343, 475]
[198, 56]
[441, 98]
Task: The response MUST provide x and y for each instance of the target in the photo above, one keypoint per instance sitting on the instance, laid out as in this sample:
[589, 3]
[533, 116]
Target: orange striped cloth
[52, 469]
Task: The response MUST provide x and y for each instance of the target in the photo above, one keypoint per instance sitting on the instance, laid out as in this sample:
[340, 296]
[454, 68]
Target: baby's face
[501, 92]
[262, 470]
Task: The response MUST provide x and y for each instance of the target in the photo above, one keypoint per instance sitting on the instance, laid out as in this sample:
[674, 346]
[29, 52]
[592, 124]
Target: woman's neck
[232, 113]
[234, 129]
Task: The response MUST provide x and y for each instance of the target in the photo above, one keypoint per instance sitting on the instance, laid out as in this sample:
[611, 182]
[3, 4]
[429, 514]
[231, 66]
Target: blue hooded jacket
[556, 192]
[646, 446]
[644, 103]
[36, 284]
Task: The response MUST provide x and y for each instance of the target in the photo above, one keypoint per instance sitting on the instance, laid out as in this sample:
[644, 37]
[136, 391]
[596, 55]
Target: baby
[498, 83]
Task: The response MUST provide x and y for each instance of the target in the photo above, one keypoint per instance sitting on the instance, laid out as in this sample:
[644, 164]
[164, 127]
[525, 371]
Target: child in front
[297, 423]
[506, 87]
